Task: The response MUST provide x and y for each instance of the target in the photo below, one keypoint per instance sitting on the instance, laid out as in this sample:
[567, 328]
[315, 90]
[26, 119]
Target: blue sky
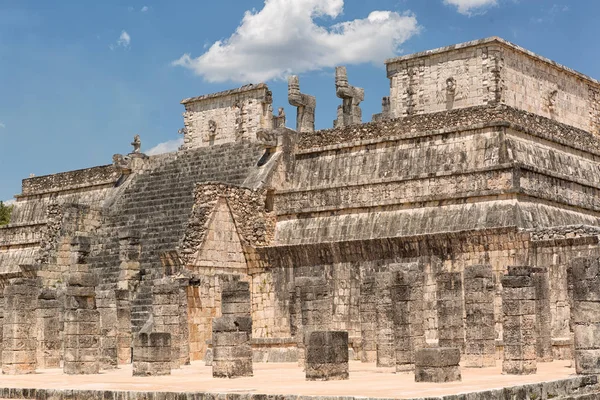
[79, 78]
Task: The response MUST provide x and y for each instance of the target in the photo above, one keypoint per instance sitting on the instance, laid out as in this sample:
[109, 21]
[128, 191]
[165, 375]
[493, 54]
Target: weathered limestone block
[480, 333]
[519, 322]
[327, 356]
[124, 337]
[81, 318]
[450, 310]
[313, 309]
[368, 320]
[439, 364]
[232, 352]
[48, 329]
[543, 316]
[165, 311]
[585, 316]
[349, 113]
[152, 354]
[232, 333]
[407, 293]
[306, 105]
[106, 304]
[385, 345]
[19, 342]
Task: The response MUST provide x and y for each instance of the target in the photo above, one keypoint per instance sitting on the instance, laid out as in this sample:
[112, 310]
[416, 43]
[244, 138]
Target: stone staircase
[156, 205]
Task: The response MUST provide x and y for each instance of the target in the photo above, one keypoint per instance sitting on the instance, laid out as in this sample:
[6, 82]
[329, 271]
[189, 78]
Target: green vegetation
[5, 212]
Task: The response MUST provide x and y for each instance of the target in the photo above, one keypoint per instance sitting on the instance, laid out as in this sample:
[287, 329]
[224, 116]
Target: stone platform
[366, 381]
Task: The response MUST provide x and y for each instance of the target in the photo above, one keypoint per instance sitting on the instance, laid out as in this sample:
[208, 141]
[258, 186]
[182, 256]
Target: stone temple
[458, 230]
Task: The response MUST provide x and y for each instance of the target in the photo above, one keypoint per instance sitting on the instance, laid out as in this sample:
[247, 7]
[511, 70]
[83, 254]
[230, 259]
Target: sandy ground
[365, 380]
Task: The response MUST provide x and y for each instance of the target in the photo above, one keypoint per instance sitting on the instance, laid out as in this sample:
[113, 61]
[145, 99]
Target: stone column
[232, 332]
[385, 345]
[407, 300]
[480, 333]
[315, 310]
[48, 329]
[165, 312]
[519, 323]
[327, 356]
[19, 341]
[543, 317]
[368, 320]
[129, 257]
[437, 365]
[124, 340]
[81, 318]
[184, 328]
[585, 315]
[450, 310]
[152, 354]
[106, 304]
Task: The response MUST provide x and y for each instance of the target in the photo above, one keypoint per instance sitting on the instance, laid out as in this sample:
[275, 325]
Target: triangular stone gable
[221, 250]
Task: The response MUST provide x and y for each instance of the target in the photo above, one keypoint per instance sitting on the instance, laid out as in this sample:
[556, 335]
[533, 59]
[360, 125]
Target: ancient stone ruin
[459, 229]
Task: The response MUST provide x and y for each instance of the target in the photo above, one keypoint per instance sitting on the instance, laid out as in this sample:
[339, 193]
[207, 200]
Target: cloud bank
[284, 38]
[471, 7]
[165, 147]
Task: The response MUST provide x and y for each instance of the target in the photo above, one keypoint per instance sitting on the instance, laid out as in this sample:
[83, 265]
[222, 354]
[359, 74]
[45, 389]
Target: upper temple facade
[485, 157]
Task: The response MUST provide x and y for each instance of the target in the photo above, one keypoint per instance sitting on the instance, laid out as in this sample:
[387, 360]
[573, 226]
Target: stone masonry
[152, 354]
[327, 356]
[586, 314]
[49, 346]
[397, 232]
[450, 310]
[82, 319]
[480, 333]
[438, 364]
[519, 323]
[18, 335]
[232, 353]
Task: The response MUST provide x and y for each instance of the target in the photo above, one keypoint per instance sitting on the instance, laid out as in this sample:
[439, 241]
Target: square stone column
[232, 352]
[232, 333]
[313, 309]
[19, 342]
[124, 338]
[165, 313]
[408, 319]
[480, 332]
[519, 322]
[48, 329]
[152, 354]
[106, 303]
[450, 310]
[81, 318]
[384, 312]
[327, 356]
[439, 364]
[585, 315]
[368, 320]
[543, 317]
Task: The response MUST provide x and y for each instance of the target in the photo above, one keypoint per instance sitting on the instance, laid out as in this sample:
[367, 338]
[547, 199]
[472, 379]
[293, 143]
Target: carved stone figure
[137, 144]
[279, 119]
[349, 113]
[306, 104]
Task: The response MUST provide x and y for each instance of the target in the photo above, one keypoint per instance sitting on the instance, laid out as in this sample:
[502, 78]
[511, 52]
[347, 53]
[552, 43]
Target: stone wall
[491, 71]
[226, 117]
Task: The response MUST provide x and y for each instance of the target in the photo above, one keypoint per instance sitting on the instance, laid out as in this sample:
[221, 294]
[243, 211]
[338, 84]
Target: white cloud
[283, 38]
[165, 147]
[471, 7]
[144, 9]
[9, 202]
[2, 126]
[124, 40]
